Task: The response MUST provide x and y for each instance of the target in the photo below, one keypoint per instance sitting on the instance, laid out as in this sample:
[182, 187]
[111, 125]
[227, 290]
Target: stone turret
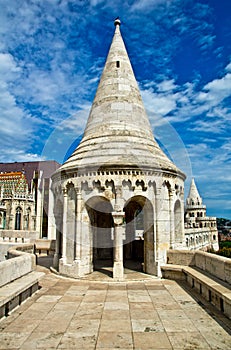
[200, 230]
[118, 133]
[118, 197]
[194, 206]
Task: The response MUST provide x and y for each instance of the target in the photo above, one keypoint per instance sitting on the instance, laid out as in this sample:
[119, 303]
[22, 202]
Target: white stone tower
[118, 197]
[194, 206]
[200, 230]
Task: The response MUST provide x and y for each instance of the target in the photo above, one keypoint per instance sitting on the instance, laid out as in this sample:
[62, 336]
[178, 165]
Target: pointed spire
[193, 196]
[118, 132]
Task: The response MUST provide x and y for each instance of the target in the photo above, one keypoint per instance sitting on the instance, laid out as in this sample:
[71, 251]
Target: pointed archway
[101, 223]
[139, 233]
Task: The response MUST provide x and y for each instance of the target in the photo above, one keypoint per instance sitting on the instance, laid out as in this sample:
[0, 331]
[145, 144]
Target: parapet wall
[217, 266]
[20, 265]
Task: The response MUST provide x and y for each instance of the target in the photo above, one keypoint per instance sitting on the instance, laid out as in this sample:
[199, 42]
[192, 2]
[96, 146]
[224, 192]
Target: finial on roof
[117, 22]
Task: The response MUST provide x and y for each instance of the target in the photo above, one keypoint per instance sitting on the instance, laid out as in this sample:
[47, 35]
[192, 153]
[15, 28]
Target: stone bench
[14, 293]
[215, 291]
[45, 245]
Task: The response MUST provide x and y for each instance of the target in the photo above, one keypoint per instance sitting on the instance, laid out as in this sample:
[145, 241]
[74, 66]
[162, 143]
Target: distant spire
[193, 196]
[117, 21]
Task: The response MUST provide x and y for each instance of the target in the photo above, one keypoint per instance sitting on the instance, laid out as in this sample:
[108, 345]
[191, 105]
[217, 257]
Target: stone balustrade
[18, 278]
[208, 274]
[18, 234]
[21, 265]
[217, 266]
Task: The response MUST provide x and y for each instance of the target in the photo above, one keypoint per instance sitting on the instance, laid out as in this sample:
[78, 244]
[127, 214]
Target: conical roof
[118, 133]
[193, 196]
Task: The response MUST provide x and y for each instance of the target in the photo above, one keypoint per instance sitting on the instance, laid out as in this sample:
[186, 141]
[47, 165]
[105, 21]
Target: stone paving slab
[150, 314]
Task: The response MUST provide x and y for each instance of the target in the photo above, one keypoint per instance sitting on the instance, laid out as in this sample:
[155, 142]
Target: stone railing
[21, 265]
[18, 234]
[18, 278]
[217, 266]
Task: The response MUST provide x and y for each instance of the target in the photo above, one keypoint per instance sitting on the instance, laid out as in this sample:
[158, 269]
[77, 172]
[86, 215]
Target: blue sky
[51, 57]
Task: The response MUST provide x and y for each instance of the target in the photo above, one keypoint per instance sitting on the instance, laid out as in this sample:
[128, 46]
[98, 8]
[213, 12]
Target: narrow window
[117, 64]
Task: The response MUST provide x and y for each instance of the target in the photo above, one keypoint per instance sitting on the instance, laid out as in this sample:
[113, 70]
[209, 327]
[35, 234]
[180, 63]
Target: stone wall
[216, 265]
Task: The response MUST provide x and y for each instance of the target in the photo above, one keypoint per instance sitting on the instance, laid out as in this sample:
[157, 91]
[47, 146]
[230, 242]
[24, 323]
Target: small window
[117, 64]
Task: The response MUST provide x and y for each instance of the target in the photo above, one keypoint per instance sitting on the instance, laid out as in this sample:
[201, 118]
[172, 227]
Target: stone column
[64, 253]
[57, 248]
[171, 215]
[158, 219]
[78, 232]
[118, 269]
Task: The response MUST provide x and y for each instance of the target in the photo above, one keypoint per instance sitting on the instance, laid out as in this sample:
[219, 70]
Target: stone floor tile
[139, 298]
[117, 299]
[98, 286]
[111, 305]
[147, 325]
[188, 341]
[141, 306]
[12, 340]
[115, 314]
[148, 314]
[150, 340]
[117, 286]
[118, 325]
[42, 340]
[55, 325]
[71, 298]
[175, 325]
[84, 327]
[159, 293]
[158, 286]
[75, 341]
[136, 286]
[76, 291]
[205, 324]
[48, 298]
[121, 293]
[66, 306]
[110, 340]
[196, 312]
[22, 324]
[166, 305]
[37, 311]
[88, 314]
[177, 314]
[94, 298]
[218, 340]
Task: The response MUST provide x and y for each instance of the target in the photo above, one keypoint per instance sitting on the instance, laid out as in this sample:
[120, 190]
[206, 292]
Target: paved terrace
[141, 313]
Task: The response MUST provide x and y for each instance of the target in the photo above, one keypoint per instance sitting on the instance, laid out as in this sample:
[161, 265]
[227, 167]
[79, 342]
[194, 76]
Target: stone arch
[139, 232]
[178, 221]
[99, 211]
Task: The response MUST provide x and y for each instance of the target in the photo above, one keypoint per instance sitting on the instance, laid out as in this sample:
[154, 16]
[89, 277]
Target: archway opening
[101, 221]
[139, 233]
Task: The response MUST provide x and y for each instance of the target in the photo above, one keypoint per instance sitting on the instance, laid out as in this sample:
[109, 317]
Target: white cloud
[147, 5]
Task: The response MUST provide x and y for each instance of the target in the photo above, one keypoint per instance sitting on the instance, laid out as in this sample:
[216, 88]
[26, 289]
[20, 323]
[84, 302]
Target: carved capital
[118, 217]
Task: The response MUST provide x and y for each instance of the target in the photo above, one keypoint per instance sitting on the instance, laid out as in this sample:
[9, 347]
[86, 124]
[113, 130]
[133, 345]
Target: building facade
[118, 197]
[26, 200]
